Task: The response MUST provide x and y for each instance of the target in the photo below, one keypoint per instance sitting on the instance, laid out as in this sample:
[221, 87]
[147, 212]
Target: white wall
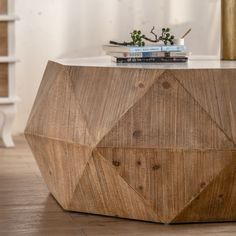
[61, 28]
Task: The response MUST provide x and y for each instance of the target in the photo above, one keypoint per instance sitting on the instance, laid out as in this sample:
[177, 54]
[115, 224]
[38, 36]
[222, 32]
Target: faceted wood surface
[146, 144]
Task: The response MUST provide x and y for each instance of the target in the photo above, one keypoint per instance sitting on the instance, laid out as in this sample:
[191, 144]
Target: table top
[105, 61]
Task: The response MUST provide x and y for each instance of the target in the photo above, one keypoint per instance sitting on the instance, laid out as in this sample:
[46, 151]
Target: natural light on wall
[77, 28]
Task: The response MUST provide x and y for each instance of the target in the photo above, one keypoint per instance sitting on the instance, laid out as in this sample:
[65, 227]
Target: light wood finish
[216, 98]
[222, 192]
[3, 80]
[169, 179]
[27, 208]
[137, 143]
[228, 29]
[120, 199]
[63, 151]
[167, 117]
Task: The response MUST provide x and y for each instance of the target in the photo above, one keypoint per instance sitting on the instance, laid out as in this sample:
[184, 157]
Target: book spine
[170, 48]
[153, 54]
[151, 59]
[173, 48]
[176, 54]
[139, 54]
[145, 49]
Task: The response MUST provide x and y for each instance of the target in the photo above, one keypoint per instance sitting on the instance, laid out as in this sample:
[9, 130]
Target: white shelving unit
[8, 103]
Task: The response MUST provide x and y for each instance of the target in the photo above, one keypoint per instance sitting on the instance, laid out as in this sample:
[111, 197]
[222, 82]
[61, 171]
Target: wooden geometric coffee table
[153, 142]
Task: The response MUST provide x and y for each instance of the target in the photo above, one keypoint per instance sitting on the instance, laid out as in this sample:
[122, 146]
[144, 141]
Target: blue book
[173, 48]
[147, 54]
[150, 48]
[146, 49]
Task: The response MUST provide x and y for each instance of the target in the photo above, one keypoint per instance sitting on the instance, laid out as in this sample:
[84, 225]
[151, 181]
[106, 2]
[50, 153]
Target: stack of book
[146, 54]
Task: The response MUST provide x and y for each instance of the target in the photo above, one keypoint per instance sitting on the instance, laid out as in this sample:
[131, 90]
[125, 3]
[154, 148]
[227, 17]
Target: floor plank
[27, 208]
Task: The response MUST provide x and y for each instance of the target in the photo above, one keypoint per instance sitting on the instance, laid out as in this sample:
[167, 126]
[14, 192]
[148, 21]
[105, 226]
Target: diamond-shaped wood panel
[154, 145]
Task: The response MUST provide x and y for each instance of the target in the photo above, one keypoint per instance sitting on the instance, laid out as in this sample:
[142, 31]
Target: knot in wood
[141, 85]
[140, 187]
[137, 133]
[116, 163]
[139, 163]
[156, 167]
[166, 85]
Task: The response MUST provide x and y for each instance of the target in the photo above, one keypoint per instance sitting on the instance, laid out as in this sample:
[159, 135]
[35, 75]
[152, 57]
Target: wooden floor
[27, 208]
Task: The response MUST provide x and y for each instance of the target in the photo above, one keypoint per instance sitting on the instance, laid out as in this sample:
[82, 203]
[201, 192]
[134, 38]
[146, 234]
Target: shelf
[8, 100]
[8, 59]
[9, 18]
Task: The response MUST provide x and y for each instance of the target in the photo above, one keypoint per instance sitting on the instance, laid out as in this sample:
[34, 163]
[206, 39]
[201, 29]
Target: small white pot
[178, 41]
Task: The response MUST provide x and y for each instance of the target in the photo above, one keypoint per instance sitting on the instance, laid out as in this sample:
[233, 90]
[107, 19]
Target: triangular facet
[102, 191]
[215, 203]
[59, 115]
[167, 179]
[105, 94]
[61, 164]
[214, 90]
[51, 74]
[166, 117]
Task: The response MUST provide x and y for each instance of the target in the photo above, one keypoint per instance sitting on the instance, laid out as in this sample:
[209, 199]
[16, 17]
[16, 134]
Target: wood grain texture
[57, 107]
[3, 6]
[115, 91]
[3, 38]
[170, 177]
[27, 208]
[58, 163]
[217, 200]
[146, 144]
[217, 98]
[166, 117]
[120, 199]
[3, 80]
